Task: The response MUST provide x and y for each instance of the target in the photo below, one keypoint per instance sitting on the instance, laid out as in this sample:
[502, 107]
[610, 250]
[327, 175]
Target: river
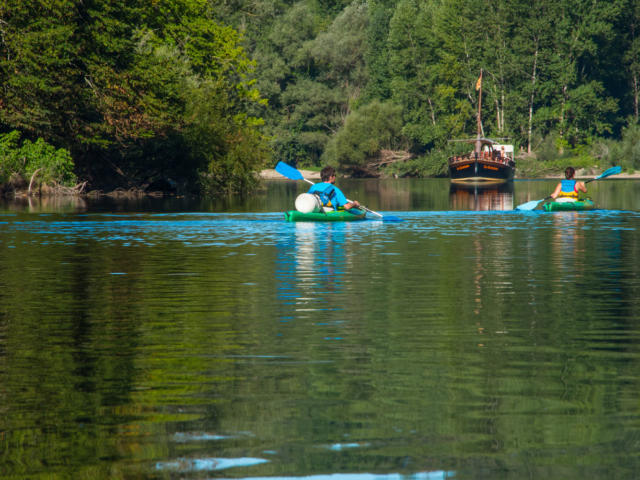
[177, 338]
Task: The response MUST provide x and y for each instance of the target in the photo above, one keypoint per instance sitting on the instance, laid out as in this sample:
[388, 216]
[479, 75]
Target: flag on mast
[479, 82]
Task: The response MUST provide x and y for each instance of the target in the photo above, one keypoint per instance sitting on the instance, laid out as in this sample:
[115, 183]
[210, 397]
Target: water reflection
[208, 464]
[310, 270]
[46, 204]
[434, 475]
[312, 260]
[386, 195]
[568, 244]
[187, 345]
[480, 197]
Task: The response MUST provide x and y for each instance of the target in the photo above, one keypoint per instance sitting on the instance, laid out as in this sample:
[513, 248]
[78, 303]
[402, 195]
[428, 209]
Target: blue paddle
[534, 203]
[294, 174]
[290, 172]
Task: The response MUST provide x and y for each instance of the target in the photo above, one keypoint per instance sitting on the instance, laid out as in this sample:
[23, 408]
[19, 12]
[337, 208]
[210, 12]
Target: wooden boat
[485, 164]
[586, 204]
[333, 216]
[488, 163]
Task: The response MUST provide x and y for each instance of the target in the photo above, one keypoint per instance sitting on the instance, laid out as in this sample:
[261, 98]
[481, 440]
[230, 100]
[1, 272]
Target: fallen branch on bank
[33, 177]
[384, 158]
[387, 157]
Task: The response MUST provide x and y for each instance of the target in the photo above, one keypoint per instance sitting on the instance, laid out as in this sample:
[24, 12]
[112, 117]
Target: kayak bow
[586, 204]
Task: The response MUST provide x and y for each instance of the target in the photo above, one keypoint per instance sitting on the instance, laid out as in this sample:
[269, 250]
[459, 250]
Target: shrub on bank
[34, 163]
[433, 164]
[625, 152]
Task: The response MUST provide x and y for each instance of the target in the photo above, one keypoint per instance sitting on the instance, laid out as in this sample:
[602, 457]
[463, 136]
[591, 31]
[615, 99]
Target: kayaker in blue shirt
[567, 190]
[330, 195]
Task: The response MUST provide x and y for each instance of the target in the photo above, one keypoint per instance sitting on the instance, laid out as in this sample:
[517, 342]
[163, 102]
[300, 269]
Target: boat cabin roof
[486, 144]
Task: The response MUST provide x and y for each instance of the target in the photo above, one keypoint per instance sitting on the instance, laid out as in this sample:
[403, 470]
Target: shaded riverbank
[271, 174]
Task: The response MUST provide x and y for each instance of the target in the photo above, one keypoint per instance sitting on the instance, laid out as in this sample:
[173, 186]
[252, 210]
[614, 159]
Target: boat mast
[479, 119]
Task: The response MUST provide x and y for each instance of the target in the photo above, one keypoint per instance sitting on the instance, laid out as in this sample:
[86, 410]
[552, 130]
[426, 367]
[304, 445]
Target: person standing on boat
[330, 195]
[567, 190]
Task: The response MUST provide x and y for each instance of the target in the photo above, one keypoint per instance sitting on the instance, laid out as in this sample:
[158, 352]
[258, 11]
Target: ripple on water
[208, 464]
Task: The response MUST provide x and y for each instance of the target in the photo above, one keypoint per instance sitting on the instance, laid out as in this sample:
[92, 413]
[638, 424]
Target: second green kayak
[569, 206]
[335, 216]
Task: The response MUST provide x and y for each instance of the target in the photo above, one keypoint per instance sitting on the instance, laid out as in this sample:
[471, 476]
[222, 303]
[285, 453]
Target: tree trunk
[635, 97]
[561, 119]
[433, 114]
[533, 92]
[503, 125]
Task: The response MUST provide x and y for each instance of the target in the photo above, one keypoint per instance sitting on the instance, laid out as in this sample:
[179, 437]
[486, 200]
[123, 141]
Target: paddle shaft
[369, 210]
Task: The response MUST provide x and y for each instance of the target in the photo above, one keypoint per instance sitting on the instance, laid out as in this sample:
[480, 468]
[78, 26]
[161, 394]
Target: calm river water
[177, 339]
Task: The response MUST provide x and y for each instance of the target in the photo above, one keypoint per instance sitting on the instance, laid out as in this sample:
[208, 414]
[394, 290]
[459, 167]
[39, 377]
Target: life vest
[568, 189]
[326, 196]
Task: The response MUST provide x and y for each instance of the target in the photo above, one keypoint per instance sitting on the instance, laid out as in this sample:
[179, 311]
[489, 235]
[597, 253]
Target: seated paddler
[331, 196]
[568, 190]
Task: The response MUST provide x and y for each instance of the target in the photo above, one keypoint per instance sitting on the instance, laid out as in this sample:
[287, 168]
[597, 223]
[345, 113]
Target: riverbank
[581, 174]
[267, 174]
[586, 174]
[271, 174]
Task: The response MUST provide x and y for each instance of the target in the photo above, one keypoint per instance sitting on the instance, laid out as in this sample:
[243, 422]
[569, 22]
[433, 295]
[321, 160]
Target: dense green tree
[314, 72]
[376, 55]
[282, 60]
[39, 72]
[148, 89]
[581, 109]
[339, 50]
[115, 82]
[368, 130]
[629, 27]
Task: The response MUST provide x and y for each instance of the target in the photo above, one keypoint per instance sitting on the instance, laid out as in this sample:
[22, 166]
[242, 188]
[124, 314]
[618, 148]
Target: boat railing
[491, 156]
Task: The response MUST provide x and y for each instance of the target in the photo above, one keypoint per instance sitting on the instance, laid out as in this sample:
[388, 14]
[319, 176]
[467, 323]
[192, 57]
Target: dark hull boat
[485, 164]
[488, 163]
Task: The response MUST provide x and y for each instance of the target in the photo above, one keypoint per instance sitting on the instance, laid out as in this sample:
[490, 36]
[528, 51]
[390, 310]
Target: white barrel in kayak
[308, 203]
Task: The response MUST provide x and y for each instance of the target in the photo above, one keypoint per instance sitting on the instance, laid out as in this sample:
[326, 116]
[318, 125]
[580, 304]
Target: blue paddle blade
[529, 205]
[288, 171]
[387, 218]
[379, 216]
[609, 171]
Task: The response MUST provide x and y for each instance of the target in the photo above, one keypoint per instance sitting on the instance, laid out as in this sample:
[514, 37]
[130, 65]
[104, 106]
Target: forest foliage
[205, 92]
[562, 74]
[137, 91]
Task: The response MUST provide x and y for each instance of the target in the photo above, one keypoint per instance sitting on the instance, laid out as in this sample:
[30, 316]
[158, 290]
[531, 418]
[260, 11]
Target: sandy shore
[271, 174]
[586, 175]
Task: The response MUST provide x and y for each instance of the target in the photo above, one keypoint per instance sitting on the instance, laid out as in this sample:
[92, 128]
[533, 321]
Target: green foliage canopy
[368, 130]
[146, 89]
[561, 69]
[116, 84]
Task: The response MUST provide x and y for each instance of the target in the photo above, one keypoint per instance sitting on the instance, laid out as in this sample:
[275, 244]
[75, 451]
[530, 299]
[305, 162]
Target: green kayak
[335, 216]
[569, 206]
